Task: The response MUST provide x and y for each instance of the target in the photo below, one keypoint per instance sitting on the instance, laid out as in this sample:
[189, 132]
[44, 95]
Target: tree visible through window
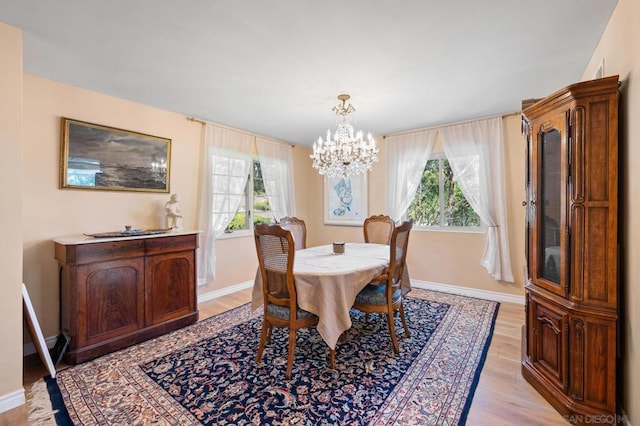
[439, 202]
[254, 204]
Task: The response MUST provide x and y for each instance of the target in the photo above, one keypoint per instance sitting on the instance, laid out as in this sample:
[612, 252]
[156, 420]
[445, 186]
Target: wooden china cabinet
[120, 291]
[571, 332]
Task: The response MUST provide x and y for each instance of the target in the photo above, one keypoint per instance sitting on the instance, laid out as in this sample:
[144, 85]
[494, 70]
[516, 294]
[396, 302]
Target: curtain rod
[197, 120]
[255, 135]
[407, 132]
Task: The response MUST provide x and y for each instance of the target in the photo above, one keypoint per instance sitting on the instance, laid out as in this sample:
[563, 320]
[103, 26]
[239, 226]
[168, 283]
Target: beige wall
[435, 256]
[11, 215]
[620, 49]
[50, 211]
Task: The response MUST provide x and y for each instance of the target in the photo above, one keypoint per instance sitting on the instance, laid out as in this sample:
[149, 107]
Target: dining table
[327, 284]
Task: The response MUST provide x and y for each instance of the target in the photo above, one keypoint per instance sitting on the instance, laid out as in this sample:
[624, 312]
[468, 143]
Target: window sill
[481, 230]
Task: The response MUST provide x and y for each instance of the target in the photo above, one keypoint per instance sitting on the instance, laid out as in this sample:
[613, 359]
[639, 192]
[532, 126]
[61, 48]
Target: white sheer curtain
[407, 157]
[226, 165]
[475, 153]
[276, 163]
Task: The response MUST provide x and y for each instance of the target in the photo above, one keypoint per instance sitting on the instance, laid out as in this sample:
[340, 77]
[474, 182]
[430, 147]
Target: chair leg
[269, 333]
[292, 349]
[392, 330]
[407, 333]
[266, 330]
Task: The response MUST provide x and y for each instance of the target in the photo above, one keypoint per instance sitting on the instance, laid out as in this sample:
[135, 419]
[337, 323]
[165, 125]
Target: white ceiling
[275, 67]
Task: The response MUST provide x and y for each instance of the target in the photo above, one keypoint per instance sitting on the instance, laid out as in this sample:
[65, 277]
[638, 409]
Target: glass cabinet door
[549, 208]
[527, 204]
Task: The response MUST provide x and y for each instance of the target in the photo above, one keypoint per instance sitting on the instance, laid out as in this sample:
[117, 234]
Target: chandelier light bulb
[348, 153]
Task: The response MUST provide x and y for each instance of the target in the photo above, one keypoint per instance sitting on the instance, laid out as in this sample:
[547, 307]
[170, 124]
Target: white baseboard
[30, 349]
[626, 420]
[470, 292]
[224, 291]
[447, 288]
[12, 400]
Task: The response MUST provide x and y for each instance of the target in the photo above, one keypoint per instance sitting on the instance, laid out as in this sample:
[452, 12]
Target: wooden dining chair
[378, 229]
[298, 230]
[383, 294]
[276, 254]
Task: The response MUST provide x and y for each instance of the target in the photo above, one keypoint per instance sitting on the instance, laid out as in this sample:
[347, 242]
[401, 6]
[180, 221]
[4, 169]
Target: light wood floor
[502, 397]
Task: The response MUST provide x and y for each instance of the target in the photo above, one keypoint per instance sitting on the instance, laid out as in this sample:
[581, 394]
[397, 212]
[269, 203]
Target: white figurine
[173, 219]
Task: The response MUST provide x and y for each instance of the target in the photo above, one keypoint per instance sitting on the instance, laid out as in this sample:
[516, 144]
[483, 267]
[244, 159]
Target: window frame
[249, 204]
[441, 156]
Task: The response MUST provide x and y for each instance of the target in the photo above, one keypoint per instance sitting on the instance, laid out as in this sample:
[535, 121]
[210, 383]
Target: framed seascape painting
[345, 200]
[100, 157]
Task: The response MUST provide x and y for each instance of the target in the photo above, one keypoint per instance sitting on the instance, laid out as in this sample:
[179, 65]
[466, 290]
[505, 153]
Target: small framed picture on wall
[345, 200]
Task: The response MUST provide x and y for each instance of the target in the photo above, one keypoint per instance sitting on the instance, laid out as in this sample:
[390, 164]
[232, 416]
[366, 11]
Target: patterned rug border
[387, 414]
[456, 301]
[478, 372]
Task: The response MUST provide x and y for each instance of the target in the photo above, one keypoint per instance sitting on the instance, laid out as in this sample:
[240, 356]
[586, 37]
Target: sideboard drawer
[171, 244]
[82, 254]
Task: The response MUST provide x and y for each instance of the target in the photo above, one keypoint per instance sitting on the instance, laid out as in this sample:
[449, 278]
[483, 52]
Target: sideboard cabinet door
[170, 286]
[115, 292]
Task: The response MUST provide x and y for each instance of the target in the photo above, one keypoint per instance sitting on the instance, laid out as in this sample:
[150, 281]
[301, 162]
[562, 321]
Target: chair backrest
[276, 254]
[298, 230]
[378, 229]
[398, 254]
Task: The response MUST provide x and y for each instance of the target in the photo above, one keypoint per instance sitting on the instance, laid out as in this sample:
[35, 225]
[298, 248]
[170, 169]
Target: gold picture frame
[93, 156]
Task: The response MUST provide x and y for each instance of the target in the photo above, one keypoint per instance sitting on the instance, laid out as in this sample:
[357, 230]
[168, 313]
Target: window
[254, 204]
[439, 202]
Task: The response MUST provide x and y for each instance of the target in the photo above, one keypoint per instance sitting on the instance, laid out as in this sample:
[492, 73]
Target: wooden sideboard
[120, 291]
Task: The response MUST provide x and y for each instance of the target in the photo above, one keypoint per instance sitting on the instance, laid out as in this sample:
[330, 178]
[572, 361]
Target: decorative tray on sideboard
[129, 233]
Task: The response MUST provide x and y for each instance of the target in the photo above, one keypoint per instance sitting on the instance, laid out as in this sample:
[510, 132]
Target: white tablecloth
[327, 284]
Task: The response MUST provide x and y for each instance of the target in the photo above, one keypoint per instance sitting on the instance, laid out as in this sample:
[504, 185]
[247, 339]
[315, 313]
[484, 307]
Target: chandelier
[348, 153]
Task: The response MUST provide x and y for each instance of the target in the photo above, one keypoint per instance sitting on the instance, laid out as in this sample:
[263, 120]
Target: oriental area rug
[206, 373]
